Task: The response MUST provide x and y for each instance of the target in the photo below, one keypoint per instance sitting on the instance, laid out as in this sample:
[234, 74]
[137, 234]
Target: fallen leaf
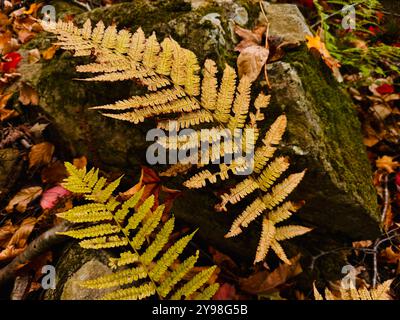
[265, 282]
[18, 242]
[6, 114]
[28, 95]
[315, 43]
[362, 244]
[21, 200]
[33, 56]
[40, 154]
[33, 8]
[49, 53]
[226, 292]
[37, 129]
[51, 196]
[390, 256]
[6, 232]
[387, 163]
[251, 60]
[10, 62]
[253, 55]
[80, 163]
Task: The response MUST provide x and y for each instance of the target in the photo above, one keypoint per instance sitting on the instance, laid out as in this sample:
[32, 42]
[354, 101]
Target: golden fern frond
[151, 99]
[225, 95]
[283, 212]
[209, 85]
[267, 235]
[241, 105]
[151, 263]
[282, 190]
[248, 215]
[279, 251]
[272, 172]
[381, 292]
[288, 232]
[187, 120]
[240, 191]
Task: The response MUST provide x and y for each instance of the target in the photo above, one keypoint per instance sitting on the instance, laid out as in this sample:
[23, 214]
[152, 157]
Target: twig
[37, 247]
[85, 5]
[266, 43]
[385, 199]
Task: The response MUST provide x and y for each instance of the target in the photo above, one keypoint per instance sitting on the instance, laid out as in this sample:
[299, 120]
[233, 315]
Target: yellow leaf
[387, 163]
[49, 53]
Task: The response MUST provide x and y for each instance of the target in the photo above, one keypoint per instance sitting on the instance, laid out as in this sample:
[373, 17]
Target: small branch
[85, 5]
[37, 247]
[386, 199]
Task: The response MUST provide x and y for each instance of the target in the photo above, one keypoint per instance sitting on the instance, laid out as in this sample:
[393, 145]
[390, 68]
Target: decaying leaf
[18, 242]
[253, 55]
[41, 154]
[6, 232]
[6, 114]
[28, 95]
[265, 282]
[21, 200]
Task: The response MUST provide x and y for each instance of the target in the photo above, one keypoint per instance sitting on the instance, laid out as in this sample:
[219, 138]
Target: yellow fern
[116, 226]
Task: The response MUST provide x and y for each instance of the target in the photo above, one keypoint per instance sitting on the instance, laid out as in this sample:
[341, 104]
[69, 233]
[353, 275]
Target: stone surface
[90, 270]
[76, 264]
[323, 134]
[286, 21]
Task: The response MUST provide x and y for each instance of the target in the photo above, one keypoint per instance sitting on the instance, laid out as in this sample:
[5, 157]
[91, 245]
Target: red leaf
[385, 89]
[12, 60]
[51, 196]
[226, 292]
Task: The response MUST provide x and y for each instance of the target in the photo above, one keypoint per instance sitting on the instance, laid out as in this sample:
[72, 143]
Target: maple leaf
[41, 154]
[315, 43]
[21, 200]
[387, 163]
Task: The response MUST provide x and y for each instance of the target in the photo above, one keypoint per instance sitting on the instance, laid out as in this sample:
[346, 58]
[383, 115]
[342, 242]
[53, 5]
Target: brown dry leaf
[253, 55]
[387, 163]
[6, 232]
[33, 56]
[362, 244]
[6, 114]
[80, 163]
[41, 154]
[265, 282]
[390, 256]
[28, 95]
[18, 242]
[21, 200]
[25, 35]
[8, 43]
[49, 53]
[34, 7]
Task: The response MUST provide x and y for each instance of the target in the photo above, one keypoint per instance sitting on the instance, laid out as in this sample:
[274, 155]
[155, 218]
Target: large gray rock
[323, 135]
